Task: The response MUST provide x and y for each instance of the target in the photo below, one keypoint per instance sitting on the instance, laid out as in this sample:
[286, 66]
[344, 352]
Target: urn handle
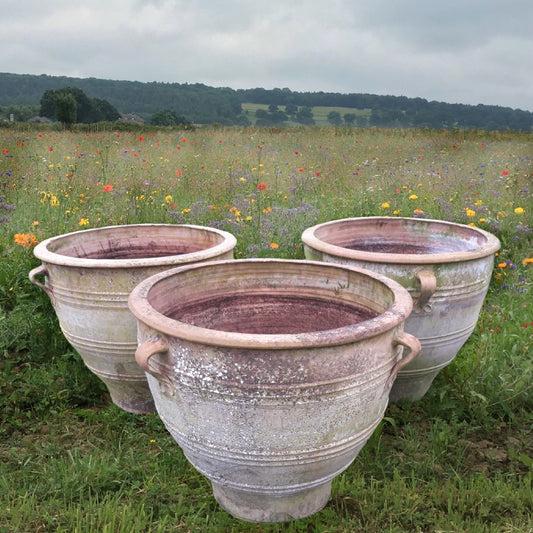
[145, 351]
[40, 271]
[428, 285]
[408, 341]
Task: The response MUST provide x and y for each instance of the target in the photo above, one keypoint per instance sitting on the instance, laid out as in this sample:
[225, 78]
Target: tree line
[168, 103]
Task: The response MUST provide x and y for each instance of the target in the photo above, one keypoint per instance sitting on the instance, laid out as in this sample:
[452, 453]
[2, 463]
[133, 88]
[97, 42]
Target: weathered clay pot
[445, 266]
[89, 275]
[271, 374]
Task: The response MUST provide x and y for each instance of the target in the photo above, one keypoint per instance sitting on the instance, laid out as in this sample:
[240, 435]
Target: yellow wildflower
[470, 213]
[519, 211]
[84, 222]
[413, 197]
[385, 205]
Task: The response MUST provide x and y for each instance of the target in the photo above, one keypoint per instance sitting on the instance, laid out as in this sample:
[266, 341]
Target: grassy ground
[461, 459]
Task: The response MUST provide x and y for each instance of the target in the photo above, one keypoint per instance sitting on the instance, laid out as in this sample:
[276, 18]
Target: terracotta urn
[89, 276]
[446, 267]
[271, 374]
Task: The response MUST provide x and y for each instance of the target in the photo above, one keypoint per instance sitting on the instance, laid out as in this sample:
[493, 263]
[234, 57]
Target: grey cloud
[470, 51]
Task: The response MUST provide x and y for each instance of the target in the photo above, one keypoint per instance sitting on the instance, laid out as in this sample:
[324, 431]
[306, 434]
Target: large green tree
[305, 115]
[66, 109]
[88, 110]
[334, 117]
[167, 117]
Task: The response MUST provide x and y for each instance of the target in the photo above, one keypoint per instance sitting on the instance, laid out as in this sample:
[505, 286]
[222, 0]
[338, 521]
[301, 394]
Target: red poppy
[261, 186]
[505, 172]
[107, 188]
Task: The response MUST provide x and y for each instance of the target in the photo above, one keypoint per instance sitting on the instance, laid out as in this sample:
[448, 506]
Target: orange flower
[25, 239]
[274, 245]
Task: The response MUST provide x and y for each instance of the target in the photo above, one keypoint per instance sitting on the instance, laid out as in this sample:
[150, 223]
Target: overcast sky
[458, 51]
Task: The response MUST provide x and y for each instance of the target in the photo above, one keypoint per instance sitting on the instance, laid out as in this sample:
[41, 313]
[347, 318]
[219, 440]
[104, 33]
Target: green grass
[461, 459]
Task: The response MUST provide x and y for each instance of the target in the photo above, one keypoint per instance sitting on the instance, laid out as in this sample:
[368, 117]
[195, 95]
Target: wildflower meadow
[461, 459]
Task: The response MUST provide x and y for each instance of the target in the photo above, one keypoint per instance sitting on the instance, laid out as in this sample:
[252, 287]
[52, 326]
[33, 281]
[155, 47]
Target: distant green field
[320, 113]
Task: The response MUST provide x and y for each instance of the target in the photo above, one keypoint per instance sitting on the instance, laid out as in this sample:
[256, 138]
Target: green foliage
[65, 108]
[304, 115]
[349, 118]
[208, 105]
[166, 117]
[71, 104]
[103, 111]
[334, 118]
[272, 117]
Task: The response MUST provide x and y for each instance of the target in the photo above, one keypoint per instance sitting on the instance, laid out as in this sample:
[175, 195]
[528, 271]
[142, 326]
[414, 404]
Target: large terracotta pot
[89, 276]
[446, 267]
[271, 374]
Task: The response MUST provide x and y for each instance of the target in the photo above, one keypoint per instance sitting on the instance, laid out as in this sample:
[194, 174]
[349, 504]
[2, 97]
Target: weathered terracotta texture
[89, 276]
[271, 374]
[446, 268]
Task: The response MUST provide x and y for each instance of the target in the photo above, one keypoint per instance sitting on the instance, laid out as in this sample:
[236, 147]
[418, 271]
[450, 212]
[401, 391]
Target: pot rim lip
[393, 317]
[491, 245]
[227, 244]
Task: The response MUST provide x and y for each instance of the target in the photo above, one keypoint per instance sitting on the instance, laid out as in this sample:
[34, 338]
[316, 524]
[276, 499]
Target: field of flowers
[266, 186]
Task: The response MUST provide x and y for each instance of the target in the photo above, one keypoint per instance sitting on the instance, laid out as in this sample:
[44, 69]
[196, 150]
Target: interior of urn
[391, 247]
[398, 237]
[270, 313]
[134, 247]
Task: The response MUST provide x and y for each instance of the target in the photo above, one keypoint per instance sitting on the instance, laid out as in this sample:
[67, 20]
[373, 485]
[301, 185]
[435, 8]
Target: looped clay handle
[428, 285]
[144, 353]
[408, 341]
